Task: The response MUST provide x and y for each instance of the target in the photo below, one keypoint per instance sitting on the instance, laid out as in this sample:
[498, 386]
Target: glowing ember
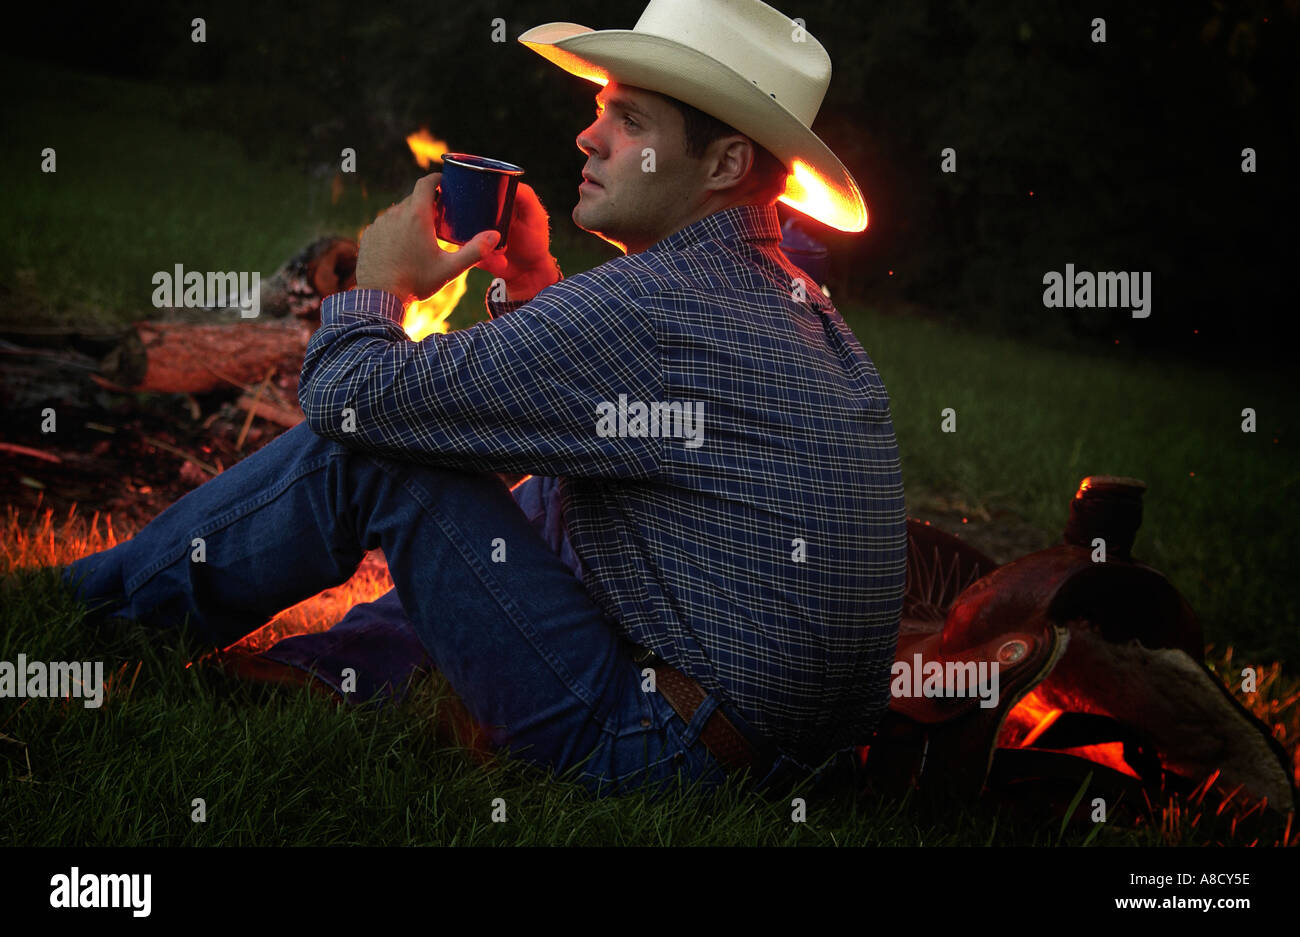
[426, 147]
[1040, 727]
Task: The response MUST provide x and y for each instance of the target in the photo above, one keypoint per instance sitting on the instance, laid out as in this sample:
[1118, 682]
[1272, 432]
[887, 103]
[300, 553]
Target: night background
[1117, 156]
[1131, 148]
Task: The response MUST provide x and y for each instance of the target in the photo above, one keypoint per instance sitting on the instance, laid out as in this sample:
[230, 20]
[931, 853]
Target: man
[707, 571]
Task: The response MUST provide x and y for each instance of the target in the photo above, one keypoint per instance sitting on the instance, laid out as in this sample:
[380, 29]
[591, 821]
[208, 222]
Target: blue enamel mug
[475, 194]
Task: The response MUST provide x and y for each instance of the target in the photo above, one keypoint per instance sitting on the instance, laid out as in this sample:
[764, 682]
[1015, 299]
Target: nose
[587, 140]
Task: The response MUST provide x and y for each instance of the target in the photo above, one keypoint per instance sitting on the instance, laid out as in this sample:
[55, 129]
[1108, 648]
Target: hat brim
[819, 185]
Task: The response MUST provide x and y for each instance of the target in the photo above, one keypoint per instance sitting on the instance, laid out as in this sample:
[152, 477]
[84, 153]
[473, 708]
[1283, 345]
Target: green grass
[136, 191]
[280, 766]
[139, 189]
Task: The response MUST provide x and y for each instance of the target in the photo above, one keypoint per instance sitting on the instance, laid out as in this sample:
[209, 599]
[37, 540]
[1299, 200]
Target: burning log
[182, 353]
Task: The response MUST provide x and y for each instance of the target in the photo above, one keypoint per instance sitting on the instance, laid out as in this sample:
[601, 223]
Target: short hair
[703, 129]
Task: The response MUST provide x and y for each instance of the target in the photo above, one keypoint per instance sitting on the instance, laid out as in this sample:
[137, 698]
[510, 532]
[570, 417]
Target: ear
[730, 159]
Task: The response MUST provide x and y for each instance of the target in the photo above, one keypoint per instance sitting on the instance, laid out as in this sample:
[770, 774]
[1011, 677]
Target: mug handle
[507, 211]
[438, 216]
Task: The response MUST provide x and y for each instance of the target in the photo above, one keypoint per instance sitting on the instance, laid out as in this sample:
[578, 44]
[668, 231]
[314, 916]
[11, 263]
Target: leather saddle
[1098, 658]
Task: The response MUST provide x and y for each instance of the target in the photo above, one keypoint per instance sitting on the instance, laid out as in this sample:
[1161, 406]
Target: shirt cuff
[378, 302]
[500, 308]
[497, 308]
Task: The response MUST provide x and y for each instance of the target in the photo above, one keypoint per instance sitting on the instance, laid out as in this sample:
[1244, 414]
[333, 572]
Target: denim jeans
[537, 664]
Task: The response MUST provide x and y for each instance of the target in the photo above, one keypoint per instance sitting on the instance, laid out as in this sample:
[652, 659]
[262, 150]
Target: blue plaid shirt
[766, 557]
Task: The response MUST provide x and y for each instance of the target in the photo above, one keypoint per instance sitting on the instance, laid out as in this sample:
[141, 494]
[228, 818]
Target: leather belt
[719, 735]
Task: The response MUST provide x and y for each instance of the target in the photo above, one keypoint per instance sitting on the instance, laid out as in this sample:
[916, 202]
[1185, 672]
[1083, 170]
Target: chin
[587, 220]
[596, 226]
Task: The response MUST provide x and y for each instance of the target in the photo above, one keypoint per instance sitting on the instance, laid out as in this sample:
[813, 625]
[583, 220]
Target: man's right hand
[526, 265]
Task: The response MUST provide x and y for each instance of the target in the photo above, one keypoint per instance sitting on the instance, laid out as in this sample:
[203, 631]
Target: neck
[713, 203]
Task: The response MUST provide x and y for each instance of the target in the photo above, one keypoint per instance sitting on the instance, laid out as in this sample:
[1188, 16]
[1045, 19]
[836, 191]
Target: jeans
[537, 664]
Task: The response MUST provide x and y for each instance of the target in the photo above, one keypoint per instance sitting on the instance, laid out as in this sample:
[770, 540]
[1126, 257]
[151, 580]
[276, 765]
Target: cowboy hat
[740, 61]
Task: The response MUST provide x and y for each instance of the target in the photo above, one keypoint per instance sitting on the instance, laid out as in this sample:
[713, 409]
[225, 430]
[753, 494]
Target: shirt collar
[738, 223]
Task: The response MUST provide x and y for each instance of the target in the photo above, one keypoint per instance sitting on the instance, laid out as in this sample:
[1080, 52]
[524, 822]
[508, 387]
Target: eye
[627, 120]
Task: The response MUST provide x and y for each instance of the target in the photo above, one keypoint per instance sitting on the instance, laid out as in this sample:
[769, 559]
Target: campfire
[426, 148]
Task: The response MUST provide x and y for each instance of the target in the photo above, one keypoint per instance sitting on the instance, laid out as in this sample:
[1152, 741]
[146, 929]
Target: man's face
[631, 207]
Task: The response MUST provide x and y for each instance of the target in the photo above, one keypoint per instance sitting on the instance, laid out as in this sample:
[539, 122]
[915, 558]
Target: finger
[425, 186]
[483, 244]
[527, 204]
[475, 250]
[524, 206]
[494, 263]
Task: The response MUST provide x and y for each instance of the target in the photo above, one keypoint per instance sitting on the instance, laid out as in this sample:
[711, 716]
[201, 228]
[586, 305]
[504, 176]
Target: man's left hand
[399, 252]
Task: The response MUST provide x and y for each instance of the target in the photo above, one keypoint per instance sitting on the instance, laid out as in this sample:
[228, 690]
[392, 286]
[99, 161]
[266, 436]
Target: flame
[806, 190]
[423, 317]
[425, 147]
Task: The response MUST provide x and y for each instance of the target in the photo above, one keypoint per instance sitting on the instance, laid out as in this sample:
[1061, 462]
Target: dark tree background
[1131, 148]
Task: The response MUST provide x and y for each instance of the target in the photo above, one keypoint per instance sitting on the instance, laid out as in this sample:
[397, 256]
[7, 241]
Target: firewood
[28, 451]
[252, 410]
[326, 266]
[168, 447]
[179, 357]
[269, 411]
[197, 350]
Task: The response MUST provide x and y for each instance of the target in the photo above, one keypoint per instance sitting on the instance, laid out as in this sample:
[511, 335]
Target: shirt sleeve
[519, 393]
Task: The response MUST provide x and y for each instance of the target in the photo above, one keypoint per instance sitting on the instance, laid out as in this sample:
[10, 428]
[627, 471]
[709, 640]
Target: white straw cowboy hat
[741, 61]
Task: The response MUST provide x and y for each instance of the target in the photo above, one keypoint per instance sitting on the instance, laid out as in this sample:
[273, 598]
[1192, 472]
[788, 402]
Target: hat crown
[754, 40]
